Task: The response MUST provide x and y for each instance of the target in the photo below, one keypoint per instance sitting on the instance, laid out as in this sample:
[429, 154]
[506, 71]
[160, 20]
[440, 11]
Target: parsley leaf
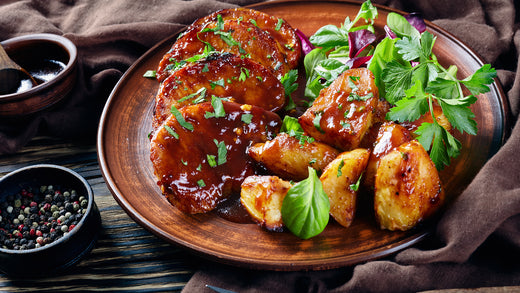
[290, 84]
[182, 122]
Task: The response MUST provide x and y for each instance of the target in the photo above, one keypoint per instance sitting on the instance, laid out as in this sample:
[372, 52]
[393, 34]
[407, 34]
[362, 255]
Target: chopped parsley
[182, 122]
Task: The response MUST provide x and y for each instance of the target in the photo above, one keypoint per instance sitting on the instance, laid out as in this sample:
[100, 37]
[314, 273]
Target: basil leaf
[305, 208]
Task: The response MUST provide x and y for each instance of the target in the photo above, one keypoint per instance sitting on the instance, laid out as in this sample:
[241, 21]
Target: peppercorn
[33, 218]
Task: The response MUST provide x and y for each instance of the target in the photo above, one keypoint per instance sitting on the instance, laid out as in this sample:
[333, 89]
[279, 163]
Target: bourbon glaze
[182, 161]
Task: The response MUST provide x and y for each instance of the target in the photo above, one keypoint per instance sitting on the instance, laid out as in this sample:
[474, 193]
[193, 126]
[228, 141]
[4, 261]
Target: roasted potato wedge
[407, 187]
[200, 160]
[390, 136]
[286, 157]
[339, 181]
[343, 112]
[262, 196]
[237, 37]
[223, 75]
[278, 28]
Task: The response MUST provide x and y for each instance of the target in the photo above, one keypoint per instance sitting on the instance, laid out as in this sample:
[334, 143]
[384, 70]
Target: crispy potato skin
[344, 120]
[286, 157]
[262, 196]
[407, 187]
[337, 185]
[252, 42]
[181, 163]
[390, 136]
[282, 32]
[244, 82]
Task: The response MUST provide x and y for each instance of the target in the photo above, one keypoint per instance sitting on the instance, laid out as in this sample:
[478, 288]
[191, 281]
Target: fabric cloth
[477, 241]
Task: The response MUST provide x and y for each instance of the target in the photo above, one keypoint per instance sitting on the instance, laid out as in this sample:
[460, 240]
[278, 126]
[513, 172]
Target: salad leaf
[400, 26]
[305, 208]
[290, 84]
[292, 127]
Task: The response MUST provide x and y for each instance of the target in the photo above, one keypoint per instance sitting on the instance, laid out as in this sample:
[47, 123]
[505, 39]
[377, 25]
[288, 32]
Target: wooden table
[127, 258]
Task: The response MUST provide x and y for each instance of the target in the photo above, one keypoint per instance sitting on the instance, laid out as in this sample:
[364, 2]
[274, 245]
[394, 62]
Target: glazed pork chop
[279, 29]
[223, 75]
[199, 153]
[234, 36]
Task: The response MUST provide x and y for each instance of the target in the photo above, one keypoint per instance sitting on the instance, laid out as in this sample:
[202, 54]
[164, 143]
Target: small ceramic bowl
[52, 60]
[64, 252]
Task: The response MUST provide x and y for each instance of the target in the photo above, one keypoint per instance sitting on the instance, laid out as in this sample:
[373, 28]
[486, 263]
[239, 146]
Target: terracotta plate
[123, 149]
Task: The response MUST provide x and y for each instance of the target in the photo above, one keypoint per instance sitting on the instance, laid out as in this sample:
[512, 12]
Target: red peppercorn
[39, 233]
[20, 227]
[46, 206]
[32, 232]
[71, 227]
[33, 204]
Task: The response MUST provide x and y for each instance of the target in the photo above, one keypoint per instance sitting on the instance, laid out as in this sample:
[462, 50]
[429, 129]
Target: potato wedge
[343, 112]
[390, 136]
[339, 179]
[262, 196]
[407, 187]
[286, 157]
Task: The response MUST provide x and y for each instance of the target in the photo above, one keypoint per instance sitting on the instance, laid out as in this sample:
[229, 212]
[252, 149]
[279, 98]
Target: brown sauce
[42, 71]
[231, 209]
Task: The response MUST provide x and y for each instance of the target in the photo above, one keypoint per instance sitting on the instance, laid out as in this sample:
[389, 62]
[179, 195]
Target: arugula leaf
[305, 208]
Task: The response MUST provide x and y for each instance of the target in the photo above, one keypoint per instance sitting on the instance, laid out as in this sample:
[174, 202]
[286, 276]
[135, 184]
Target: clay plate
[123, 150]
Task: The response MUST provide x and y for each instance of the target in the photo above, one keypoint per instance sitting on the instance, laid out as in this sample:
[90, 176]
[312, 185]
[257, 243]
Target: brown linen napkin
[477, 241]
[110, 36]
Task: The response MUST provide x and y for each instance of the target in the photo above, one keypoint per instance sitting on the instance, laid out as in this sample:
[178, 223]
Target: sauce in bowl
[42, 71]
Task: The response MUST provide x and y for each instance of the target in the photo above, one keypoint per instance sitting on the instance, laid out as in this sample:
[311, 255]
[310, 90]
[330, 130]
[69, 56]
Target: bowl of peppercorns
[48, 220]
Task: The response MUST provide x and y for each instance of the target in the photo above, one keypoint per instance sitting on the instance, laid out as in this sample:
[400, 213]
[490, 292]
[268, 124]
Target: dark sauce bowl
[52, 59]
[64, 252]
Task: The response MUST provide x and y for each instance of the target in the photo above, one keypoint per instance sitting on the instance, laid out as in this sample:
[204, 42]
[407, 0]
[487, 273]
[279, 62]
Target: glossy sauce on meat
[237, 37]
[343, 112]
[223, 75]
[198, 166]
[278, 28]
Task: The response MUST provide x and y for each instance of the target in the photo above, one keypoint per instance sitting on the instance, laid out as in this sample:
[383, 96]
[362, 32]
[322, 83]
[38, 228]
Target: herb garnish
[182, 122]
[410, 77]
[305, 208]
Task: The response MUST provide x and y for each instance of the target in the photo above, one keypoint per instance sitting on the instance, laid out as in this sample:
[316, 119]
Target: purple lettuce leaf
[359, 40]
[416, 20]
[306, 44]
